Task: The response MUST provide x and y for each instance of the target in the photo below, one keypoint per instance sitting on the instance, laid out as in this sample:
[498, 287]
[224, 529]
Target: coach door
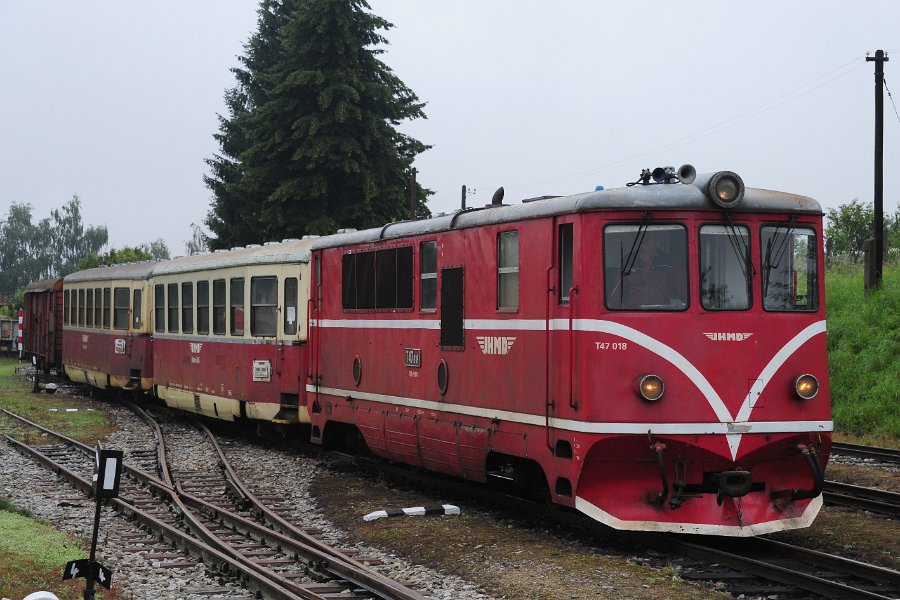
[563, 309]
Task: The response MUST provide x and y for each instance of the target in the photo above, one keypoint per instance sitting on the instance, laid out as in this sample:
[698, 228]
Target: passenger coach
[653, 356]
[230, 332]
[106, 339]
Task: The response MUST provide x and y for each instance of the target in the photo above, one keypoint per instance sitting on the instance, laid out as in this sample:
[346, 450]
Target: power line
[892, 99]
[788, 96]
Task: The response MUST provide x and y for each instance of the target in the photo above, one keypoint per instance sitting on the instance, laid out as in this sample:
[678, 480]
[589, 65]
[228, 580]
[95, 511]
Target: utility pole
[880, 58]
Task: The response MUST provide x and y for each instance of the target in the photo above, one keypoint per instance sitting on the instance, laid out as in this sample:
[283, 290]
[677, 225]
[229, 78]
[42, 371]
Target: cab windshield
[645, 267]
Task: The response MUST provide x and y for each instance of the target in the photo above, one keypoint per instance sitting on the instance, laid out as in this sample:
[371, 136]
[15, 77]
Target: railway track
[862, 498]
[750, 566]
[885, 455]
[201, 519]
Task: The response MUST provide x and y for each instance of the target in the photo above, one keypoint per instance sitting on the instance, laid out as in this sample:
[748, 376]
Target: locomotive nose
[734, 483]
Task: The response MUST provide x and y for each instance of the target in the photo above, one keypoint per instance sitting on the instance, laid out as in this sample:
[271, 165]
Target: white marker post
[19, 338]
[108, 465]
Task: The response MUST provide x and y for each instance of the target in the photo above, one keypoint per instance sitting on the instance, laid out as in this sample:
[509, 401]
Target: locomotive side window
[237, 305]
[428, 275]
[81, 308]
[219, 307]
[263, 306]
[121, 300]
[159, 308]
[508, 270]
[203, 307]
[107, 306]
[725, 267]
[790, 280]
[565, 262]
[645, 267]
[98, 307]
[290, 306]
[67, 306]
[381, 279]
[172, 297]
[136, 301]
[89, 311]
[187, 307]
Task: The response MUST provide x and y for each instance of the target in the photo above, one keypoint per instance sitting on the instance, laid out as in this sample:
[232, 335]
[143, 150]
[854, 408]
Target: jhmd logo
[495, 345]
[196, 347]
[729, 336]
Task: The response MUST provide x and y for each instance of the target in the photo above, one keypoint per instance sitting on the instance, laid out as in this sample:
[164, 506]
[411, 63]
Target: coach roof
[638, 197]
[44, 285]
[288, 251]
[138, 270]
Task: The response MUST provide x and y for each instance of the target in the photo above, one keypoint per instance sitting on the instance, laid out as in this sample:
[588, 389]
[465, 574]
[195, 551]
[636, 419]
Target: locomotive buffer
[108, 472]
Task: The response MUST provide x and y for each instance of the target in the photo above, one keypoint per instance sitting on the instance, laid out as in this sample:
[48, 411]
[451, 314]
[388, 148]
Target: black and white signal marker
[415, 511]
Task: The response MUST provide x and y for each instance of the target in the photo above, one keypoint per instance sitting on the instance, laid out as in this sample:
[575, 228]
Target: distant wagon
[42, 327]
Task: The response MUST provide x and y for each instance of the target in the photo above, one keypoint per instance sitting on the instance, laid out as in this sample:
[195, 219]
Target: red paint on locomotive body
[518, 352]
[106, 338]
[42, 329]
[230, 332]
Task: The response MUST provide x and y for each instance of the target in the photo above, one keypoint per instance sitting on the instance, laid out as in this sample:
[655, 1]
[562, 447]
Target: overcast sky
[117, 101]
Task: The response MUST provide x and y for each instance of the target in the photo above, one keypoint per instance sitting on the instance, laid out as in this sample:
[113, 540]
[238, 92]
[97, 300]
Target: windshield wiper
[779, 250]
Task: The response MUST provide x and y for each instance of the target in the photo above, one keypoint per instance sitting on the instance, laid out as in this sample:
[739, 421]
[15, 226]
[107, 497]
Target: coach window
[187, 307]
[725, 267]
[107, 306]
[89, 309]
[159, 308]
[172, 304]
[236, 293]
[263, 306]
[790, 280]
[219, 307]
[67, 306]
[98, 307]
[508, 270]
[136, 300]
[428, 275]
[81, 308]
[203, 307]
[565, 262]
[121, 299]
[290, 306]
[645, 267]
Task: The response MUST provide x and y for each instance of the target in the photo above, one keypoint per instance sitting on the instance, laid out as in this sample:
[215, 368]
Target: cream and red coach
[43, 327]
[229, 332]
[106, 331]
[653, 356]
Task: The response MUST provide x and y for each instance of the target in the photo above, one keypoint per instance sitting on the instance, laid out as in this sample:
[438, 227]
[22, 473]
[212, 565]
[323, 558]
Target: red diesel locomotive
[653, 356]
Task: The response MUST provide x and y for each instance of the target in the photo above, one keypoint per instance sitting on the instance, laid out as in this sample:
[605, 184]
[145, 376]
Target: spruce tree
[311, 144]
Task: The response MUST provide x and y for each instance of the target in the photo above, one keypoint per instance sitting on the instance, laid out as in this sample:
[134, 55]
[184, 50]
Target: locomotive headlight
[651, 387]
[726, 189]
[806, 386]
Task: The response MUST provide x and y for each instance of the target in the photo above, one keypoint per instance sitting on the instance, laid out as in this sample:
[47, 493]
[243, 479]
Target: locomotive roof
[137, 270]
[637, 197]
[270, 253]
[44, 285]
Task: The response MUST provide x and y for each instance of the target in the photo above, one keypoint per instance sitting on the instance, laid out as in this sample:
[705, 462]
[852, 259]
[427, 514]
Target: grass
[864, 355]
[85, 425]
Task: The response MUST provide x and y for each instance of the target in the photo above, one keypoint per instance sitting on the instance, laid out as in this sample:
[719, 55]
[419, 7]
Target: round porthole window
[443, 377]
[357, 369]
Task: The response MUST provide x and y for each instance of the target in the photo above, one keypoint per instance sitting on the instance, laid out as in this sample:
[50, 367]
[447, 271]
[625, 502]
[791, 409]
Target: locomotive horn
[497, 198]
[686, 174]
